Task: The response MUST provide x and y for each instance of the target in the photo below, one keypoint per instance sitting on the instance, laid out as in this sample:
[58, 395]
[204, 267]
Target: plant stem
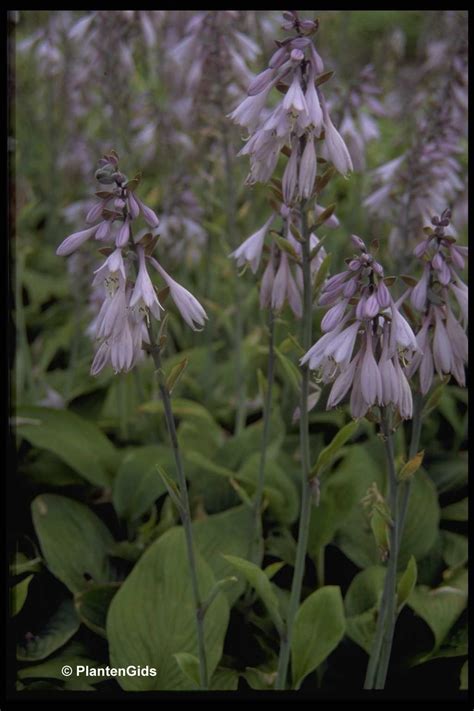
[185, 511]
[256, 533]
[306, 498]
[240, 415]
[384, 631]
[413, 449]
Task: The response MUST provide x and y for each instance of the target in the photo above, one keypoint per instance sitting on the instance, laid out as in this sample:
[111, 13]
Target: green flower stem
[306, 498]
[185, 511]
[391, 576]
[388, 601]
[413, 449]
[256, 533]
[402, 507]
[240, 415]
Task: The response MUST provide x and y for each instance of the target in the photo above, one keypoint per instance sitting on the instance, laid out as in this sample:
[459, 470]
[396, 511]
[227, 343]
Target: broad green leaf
[152, 617]
[74, 655]
[181, 408]
[258, 580]
[407, 583]
[260, 678]
[364, 591]
[189, 665]
[361, 628]
[137, 484]
[92, 606]
[79, 443]
[455, 548]
[54, 634]
[318, 628]
[47, 468]
[19, 593]
[210, 480]
[454, 645]
[355, 537]
[464, 677]
[327, 455]
[450, 474]
[225, 679]
[236, 450]
[341, 494]
[279, 488]
[456, 512]
[440, 607]
[225, 533]
[361, 603]
[74, 541]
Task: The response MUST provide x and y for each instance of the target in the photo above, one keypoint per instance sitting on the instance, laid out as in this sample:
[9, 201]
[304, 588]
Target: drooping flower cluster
[291, 127]
[429, 175]
[211, 63]
[295, 69]
[89, 81]
[282, 280]
[366, 341]
[359, 107]
[442, 341]
[121, 324]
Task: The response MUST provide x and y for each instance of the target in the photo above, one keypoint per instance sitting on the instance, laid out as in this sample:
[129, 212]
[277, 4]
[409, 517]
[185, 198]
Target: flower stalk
[185, 512]
[306, 490]
[256, 534]
[382, 645]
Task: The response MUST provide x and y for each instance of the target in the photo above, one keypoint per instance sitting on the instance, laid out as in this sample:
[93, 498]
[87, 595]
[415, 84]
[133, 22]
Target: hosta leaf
[224, 679]
[225, 533]
[455, 548]
[19, 593]
[92, 606]
[361, 603]
[318, 628]
[189, 665]
[455, 512]
[78, 442]
[73, 655]
[258, 580]
[137, 484]
[152, 616]
[63, 624]
[440, 607]
[74, 541]
[355, 537]
[341, 492]
[327, 455]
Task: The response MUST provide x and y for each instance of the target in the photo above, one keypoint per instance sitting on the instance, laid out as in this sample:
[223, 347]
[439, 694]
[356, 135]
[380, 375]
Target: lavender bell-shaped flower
[440, 296]
[366, 341]
[121, 324]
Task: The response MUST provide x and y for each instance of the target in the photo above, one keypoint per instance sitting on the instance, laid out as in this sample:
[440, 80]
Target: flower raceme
[366, 341]
[302, 113]
[442, 299]
[121, 324]
[292, 126]
[282, 280]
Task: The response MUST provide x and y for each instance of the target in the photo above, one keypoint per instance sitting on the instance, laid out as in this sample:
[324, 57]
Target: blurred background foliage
[99, 557]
